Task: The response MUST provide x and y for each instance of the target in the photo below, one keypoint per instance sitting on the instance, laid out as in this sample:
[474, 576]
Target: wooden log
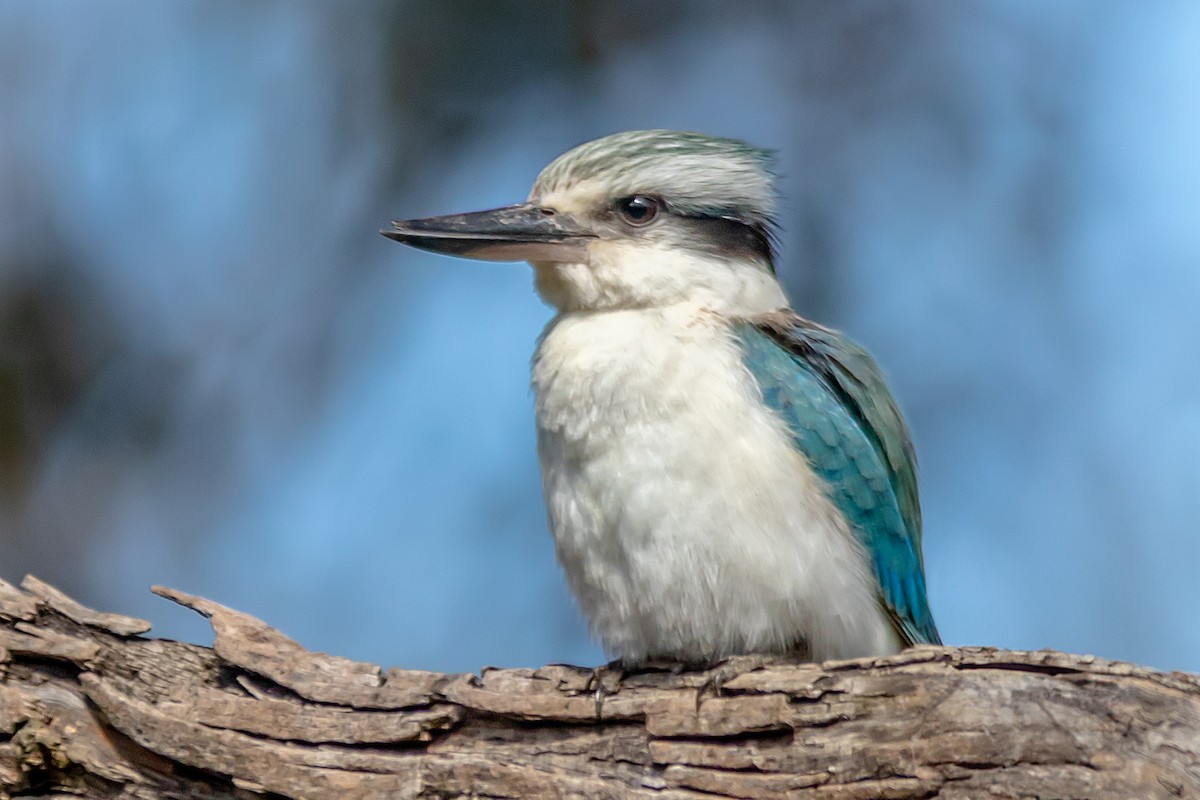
[88, 707]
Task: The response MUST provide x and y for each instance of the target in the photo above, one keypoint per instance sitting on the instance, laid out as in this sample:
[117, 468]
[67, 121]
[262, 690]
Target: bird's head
[640, 219]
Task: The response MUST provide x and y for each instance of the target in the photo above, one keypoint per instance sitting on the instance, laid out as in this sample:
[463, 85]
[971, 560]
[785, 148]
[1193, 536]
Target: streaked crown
[694, 173]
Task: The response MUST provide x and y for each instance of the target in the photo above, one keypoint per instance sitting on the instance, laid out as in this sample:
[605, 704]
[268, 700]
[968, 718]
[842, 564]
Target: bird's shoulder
[853, 377]
[832, 395]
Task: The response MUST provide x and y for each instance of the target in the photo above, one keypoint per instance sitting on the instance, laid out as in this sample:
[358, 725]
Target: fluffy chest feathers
[688, 526]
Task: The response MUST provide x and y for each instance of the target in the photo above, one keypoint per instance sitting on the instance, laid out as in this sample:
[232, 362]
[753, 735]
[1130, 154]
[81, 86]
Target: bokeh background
[216, 375]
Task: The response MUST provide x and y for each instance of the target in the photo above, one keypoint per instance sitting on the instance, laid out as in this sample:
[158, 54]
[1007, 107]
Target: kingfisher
[722, 476]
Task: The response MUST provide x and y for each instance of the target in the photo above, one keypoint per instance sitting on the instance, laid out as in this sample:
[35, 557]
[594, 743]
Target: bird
[723, 477]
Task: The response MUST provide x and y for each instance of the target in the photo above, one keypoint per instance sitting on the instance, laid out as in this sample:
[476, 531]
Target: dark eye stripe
[734, 238]
[724, 234]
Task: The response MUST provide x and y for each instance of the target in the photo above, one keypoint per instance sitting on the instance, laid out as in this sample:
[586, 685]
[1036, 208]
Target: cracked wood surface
[90, 708]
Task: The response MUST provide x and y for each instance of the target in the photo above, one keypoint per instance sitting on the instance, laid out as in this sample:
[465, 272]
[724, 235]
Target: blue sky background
[216, 375]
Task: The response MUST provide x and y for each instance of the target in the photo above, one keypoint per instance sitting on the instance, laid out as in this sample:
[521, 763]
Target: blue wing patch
[819, 383]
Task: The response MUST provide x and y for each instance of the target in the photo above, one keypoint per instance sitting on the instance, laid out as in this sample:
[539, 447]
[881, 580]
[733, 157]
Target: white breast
[688, 526]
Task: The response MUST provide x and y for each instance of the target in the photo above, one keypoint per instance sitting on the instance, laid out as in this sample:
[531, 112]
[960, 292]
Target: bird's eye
[639, 209]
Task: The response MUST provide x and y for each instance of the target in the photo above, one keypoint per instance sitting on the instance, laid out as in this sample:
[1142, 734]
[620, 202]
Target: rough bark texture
[90, 708]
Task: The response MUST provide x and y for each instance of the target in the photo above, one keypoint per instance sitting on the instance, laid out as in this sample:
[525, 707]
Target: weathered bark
[88, 707]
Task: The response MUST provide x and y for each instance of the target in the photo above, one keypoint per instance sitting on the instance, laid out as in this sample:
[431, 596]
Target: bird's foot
[725, 671]
[595, 683]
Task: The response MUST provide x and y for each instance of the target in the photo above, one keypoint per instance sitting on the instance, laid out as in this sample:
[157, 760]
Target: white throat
[623, 274]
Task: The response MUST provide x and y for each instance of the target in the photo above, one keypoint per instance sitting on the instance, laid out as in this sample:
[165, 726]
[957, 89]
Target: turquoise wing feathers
[842, 417]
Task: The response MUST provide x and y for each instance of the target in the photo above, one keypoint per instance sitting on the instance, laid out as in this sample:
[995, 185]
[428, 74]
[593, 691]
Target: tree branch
[88, 707]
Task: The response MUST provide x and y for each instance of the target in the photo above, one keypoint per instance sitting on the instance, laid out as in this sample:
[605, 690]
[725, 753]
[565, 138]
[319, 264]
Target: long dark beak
[523, 232]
